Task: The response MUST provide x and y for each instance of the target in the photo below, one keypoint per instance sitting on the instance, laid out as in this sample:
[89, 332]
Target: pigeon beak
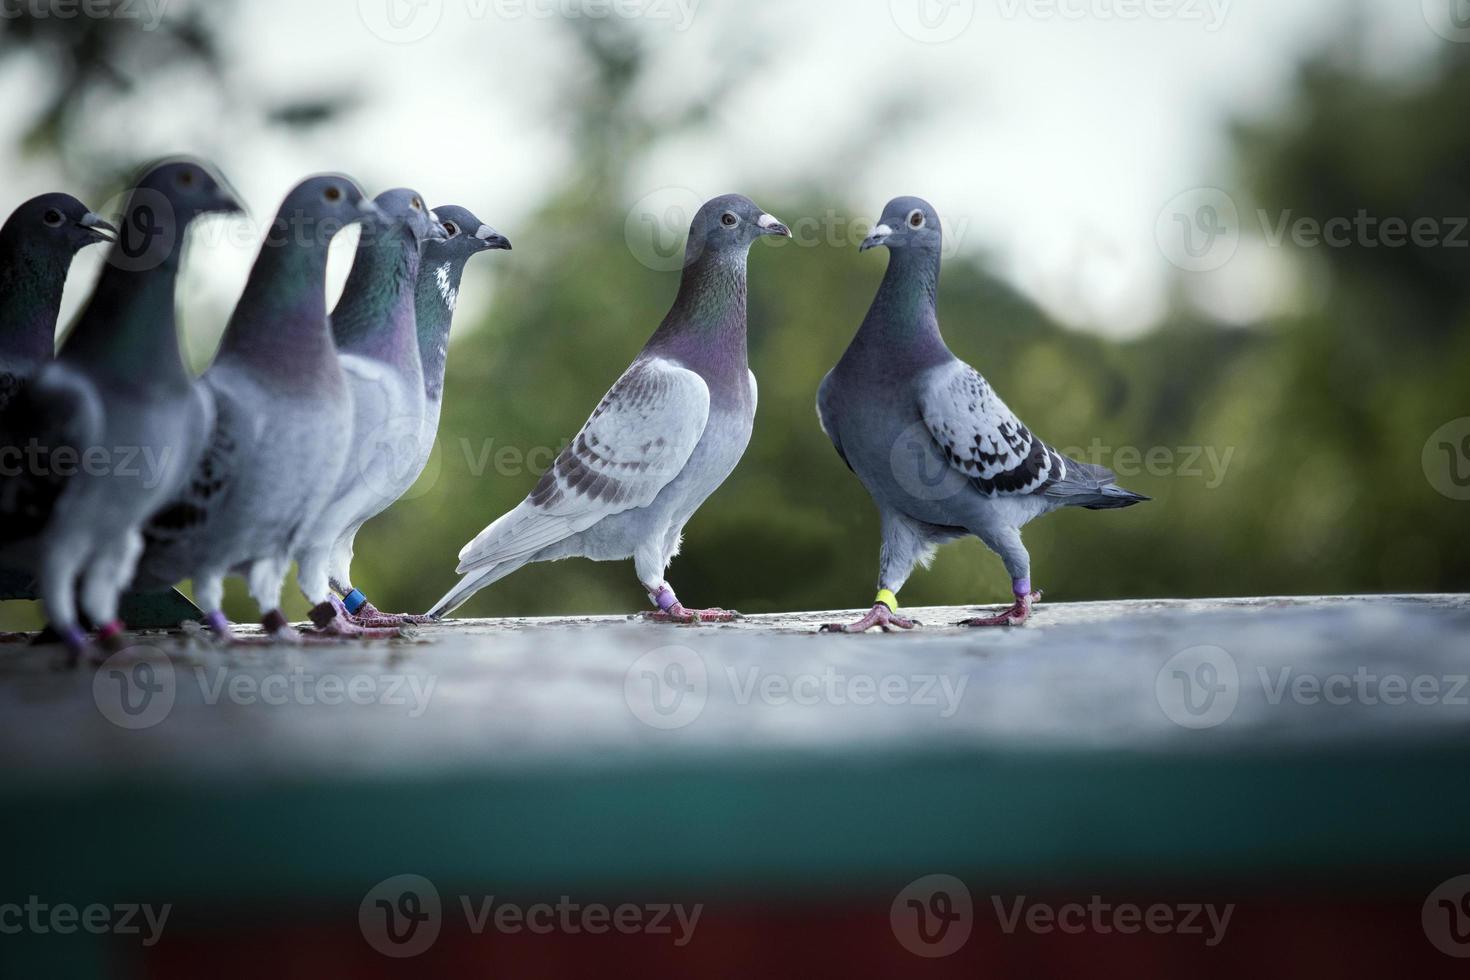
[492, 238]
[100, 230]
[770, 226]
[368, 210]
[226, 198]
[879, 236]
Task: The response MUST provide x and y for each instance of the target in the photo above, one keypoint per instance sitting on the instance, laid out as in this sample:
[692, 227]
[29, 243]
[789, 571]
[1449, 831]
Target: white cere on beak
[880, 230]
[434, 217]
[90, 220]
[767, 221]
[484, 232]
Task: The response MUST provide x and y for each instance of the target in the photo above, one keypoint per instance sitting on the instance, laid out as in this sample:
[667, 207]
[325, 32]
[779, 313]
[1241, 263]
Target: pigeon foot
[880, 615]
[678, 614]
[1016, 615]
[369, 615]
[333, 619]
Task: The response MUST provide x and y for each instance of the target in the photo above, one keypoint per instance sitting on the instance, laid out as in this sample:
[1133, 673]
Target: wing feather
[982, 438]
[637, 440]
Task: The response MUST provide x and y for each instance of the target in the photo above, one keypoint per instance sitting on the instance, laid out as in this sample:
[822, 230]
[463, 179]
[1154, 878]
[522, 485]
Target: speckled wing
[57, 416]
[635, 443]
[982, 438]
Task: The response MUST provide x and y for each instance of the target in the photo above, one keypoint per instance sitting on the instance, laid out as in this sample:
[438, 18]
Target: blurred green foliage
[1286, 456]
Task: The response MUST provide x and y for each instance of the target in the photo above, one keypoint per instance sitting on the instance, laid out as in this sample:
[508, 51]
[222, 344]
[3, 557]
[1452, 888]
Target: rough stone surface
[481, 694]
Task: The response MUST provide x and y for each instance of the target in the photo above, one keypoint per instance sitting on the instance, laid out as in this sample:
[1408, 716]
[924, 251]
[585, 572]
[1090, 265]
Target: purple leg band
[215, 620]
[664, 598]
[1021, 588]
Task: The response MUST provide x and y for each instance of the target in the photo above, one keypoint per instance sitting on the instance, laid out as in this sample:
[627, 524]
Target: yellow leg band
[888, 599]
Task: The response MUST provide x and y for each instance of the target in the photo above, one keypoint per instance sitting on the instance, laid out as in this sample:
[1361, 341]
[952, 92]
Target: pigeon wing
[982, 438]
[45, 429]
[635, 443]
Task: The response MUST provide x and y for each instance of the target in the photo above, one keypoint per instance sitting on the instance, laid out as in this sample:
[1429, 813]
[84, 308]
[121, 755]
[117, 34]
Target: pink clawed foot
[678, 614]
[1016, 615]
[332, 618]
[880, 615]
[369, 615]
[671, 610]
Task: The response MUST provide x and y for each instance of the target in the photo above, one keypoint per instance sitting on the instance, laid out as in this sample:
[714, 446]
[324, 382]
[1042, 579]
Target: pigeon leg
[884, 614]
[58, 594]
[367, 614]
[1017, 614]
[671, 610]
[332, 618]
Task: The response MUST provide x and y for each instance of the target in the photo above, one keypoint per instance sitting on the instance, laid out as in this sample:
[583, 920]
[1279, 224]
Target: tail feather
[472, 583]
[1092, 487]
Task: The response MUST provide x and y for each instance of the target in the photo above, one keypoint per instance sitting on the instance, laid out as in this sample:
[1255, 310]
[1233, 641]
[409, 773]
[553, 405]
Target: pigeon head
[405, 208]
[322, 205]
[466, 233]
[53, 224]
[729, 224]
[907, 222]
[191, 188]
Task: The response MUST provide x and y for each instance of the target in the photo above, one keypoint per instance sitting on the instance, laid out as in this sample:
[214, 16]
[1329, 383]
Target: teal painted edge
[774, 825]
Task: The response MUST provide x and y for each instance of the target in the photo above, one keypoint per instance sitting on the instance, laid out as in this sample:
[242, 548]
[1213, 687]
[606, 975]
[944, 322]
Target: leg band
[888, 599]
[354, 601]
[664, 598]
[1021, 588]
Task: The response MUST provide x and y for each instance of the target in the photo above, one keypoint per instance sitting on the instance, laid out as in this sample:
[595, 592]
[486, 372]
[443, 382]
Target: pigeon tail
[472, 583]
[1092, 487]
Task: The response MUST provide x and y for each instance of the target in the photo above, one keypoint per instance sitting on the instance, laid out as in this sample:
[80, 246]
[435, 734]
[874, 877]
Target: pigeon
[280, 398]
[940, 453]
[113, 425]
[664, 438]
[37, 243]
[440, 271]
[375, 331]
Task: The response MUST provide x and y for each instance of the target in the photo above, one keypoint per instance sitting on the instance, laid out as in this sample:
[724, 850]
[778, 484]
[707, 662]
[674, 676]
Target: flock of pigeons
[121, 471]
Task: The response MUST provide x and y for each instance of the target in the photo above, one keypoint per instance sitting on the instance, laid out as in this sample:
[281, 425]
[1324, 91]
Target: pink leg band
[1021, 588]
[664, 598]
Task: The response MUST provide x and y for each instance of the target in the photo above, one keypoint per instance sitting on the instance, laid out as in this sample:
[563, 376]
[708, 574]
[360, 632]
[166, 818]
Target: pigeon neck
[434, 303]
[30, 296]
[129, 328]
[375, 317]
[280, 322]
[904, 307]
[705, 328]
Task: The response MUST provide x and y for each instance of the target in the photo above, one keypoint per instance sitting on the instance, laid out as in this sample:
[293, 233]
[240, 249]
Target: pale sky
[1051, 136]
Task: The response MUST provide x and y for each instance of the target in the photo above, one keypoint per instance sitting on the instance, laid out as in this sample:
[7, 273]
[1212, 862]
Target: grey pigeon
[662, 440]
[37, 243]
[377, 343]
[115, 423]
[440, 272]
[940, 453]
[281, 401]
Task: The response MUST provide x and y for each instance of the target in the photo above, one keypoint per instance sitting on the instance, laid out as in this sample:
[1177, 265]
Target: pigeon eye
[416, 204]
[916, 218]
[333, 194]
[53, 218]
[728, 219]
[451, 228]
[185, 178]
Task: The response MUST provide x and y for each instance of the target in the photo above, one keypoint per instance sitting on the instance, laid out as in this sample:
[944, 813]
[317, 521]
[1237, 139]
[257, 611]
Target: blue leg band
[354, 601]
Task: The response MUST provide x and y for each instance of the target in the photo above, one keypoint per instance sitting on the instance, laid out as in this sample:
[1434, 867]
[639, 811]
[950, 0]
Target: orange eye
[333, 194]
[916, 219]
[451, 228]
